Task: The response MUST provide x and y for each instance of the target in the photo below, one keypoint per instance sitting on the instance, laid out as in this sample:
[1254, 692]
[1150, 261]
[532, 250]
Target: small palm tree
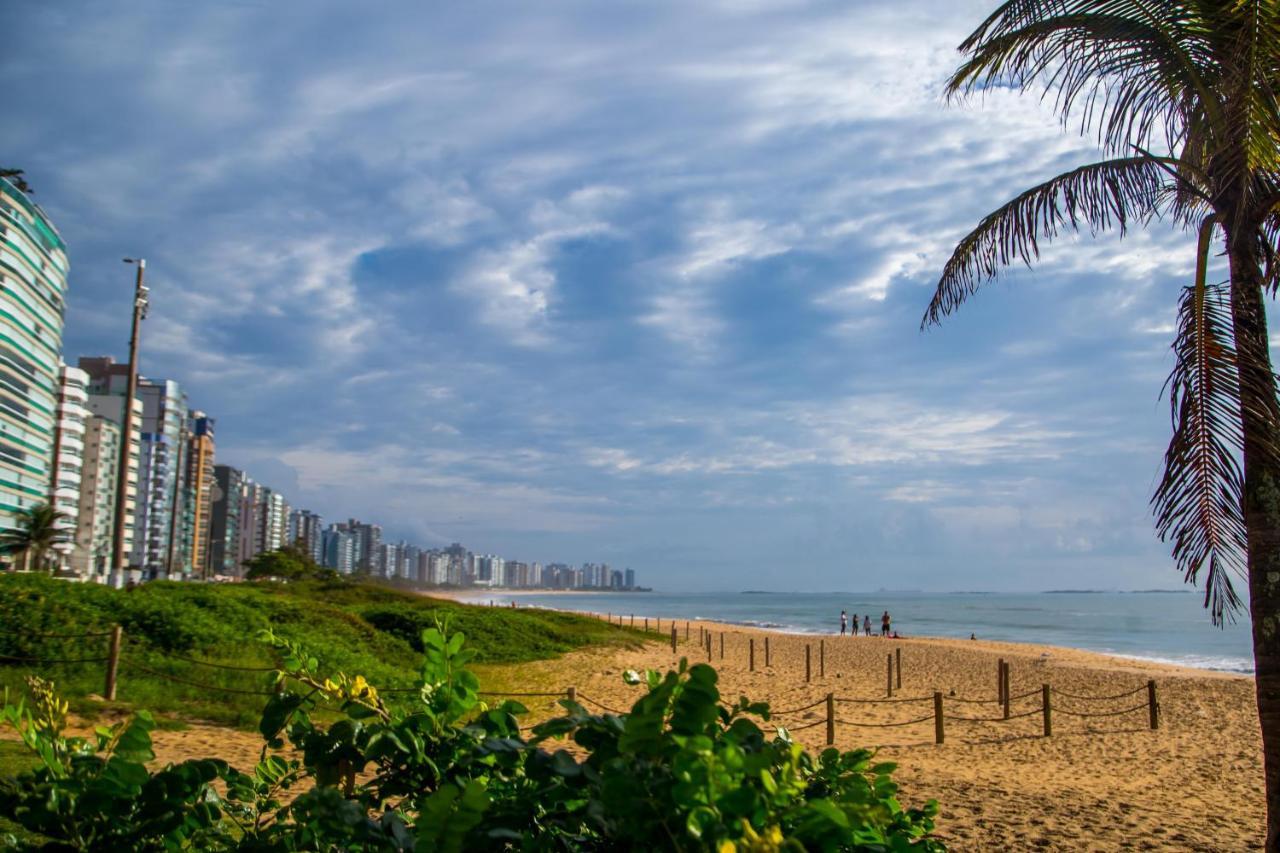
[14, 176]
[38, 530]
[1184, 96]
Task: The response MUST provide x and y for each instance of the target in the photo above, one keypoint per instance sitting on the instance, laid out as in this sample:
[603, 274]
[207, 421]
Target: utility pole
[126, 418]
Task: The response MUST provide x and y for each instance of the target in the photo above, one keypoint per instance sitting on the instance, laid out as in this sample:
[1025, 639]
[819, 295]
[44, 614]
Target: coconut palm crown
[1183, 99]
[38, 530]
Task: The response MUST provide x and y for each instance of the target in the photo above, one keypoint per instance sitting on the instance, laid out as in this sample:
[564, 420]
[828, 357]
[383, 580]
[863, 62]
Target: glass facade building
[33, 281]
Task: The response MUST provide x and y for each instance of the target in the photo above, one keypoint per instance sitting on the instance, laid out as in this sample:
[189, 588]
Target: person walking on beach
[866, 624]
[844, 623]
[884, 624]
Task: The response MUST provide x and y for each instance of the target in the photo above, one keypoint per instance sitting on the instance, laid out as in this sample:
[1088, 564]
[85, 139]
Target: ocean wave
[1241, 666]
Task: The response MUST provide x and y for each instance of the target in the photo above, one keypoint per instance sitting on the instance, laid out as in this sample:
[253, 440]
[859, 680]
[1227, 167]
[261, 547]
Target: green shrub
[680, 771]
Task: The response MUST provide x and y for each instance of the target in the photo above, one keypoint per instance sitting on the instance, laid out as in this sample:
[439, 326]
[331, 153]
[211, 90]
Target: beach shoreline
[1011, 647]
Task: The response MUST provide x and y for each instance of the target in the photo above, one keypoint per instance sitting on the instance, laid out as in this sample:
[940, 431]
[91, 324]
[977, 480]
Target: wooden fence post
[708, 647]
[808, 667]
[1006, 689]
[888, 676]
[1153, 709]
[897, 661]
[831, 719]
[822, 658]
[766, 652]
[573, 694]
[722, 645]
[633, 620]
[939, 733]
[673, 639]
[751, 655]
[646, 623]
[686, 630]
[113, 663]
[1000, 680]
[1048, 716]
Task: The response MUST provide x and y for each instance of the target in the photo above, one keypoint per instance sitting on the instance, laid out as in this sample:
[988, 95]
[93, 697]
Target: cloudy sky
[633, 281]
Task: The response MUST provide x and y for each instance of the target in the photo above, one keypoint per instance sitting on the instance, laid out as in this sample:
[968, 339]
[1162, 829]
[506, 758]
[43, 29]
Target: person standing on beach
[884, 624]
[854, 632]
[866, 624]
[844, 622]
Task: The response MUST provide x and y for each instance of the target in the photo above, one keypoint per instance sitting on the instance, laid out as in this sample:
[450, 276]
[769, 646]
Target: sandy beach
[1098, 783]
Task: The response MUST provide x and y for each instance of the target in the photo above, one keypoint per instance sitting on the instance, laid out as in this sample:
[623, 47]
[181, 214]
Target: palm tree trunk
[1260, 414]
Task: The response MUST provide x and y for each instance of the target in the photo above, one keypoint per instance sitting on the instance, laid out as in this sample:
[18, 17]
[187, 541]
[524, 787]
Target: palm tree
[38, 530]
[1184, 98]
[14, 176]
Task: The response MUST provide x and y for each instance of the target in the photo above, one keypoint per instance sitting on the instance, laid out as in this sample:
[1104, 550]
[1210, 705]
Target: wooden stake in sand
[646, 623]
[831, 718]
[673, 639]
[766, 652]
[708, 647]
[751, 655]
[1000, 680]
[897, 660]
[1005, 684]
[1153, 709]
[722, 645]
[888, 675]
[686, 630]
[808, 667]
[572, 692]
[822, 658]
[113, 663]
[1048, 717]
[939, 735]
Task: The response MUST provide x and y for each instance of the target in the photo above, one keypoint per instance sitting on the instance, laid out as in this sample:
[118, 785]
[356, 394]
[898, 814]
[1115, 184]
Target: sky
[632, 282]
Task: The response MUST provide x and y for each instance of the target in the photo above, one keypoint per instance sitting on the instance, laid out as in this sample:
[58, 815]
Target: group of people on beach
[886, 625]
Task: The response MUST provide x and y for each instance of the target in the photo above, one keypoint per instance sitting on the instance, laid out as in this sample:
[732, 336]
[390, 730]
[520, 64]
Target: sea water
[1170, 627]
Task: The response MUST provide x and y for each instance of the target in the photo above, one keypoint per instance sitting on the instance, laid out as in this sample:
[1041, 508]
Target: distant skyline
[636, 283]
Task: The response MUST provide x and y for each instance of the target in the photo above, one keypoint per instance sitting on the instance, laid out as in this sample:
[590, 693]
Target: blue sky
[633, 282]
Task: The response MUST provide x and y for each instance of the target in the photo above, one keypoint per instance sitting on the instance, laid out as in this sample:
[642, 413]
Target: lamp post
[126, 418]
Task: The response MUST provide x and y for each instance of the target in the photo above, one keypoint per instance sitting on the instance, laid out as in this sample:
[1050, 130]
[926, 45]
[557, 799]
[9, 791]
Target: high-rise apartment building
[160, 487]
[33, 281]
[271, 525]
[226, 520]
[339, 549]
[106, 401]
[368, 537]
[68, 454]
[306, 531]
[198, 483]
[91, 556]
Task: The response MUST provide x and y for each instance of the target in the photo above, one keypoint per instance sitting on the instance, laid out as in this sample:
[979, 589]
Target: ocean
[1169, 627]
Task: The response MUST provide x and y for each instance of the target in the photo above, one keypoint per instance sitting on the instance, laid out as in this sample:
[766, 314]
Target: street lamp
[126, 430]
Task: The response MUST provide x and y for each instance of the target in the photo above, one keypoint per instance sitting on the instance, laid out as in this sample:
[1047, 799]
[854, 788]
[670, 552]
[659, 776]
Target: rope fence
[941, 714]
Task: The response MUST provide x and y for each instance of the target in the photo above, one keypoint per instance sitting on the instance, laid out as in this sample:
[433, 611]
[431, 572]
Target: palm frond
[1128, 68]
[1098, 196]
[1198, 502]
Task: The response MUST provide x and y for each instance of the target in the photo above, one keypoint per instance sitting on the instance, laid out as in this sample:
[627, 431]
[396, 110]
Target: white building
[68, 453]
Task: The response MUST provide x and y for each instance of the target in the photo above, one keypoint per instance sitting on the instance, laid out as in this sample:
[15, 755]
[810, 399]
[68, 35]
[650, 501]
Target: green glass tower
[33, 281]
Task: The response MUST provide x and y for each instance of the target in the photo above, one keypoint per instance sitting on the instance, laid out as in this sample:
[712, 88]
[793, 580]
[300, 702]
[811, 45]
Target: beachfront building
[68, 454]
[33, 283]
[306, 531]
[368, 538]
[339, 546]
[106, 403]
[271, 522]
[198, 482]
[226, 517]
[91, 556]
[160, 486]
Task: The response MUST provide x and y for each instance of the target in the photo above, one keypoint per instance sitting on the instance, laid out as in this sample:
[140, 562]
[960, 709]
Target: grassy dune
[355, 628]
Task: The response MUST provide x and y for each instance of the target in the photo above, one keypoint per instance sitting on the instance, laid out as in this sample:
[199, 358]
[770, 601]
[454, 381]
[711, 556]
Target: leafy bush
[681, 771]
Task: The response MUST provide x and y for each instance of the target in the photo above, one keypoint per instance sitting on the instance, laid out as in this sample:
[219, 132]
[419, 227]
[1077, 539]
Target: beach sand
[1107, 783]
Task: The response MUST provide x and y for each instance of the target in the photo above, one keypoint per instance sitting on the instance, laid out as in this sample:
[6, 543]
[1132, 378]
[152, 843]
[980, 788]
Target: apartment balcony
[75, 394]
